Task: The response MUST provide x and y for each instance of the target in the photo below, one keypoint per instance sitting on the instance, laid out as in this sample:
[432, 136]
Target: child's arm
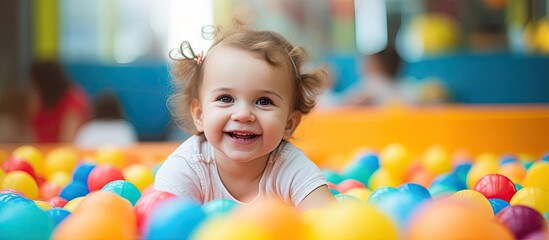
[319, 197]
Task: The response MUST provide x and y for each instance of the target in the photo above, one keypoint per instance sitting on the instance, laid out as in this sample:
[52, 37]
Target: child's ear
[196, 112]
[291, 124]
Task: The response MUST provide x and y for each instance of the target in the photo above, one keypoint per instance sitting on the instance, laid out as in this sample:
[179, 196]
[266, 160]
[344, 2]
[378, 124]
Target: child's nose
[243, 113]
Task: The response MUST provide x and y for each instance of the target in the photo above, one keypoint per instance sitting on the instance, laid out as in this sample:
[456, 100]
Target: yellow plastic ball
[60, 178]
[73, 204]
[396, 159]
[476, 199]
[22, 182]
[437, 32]
[437, 160]
[485, 164]
[110, 155]
[361, 194]
[541, 35]
[352, 221]
[140, 175]
[43, 205]
[60, 159]
[33, 156]
[383, 178]
[534, 197]
[227, 228]
[537, 175]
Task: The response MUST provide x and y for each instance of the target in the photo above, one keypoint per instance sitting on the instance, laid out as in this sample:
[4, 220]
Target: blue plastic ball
[462, 170]
[81, 172]
[74, 190]
[174, 219]
[218, 207]
[124, 189]
[417, 191]
[362, 168]
[10, 198]
[20, 220]
[379, 194]
[498, 204]
[399, 206]
[447, 183]
[332, 176]
[507, 158]
[58, 215]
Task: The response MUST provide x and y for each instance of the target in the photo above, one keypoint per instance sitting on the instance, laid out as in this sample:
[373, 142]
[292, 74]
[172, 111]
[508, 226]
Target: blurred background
[414, 52]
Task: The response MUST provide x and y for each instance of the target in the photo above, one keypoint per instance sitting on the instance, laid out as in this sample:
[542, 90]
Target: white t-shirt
[191, 171]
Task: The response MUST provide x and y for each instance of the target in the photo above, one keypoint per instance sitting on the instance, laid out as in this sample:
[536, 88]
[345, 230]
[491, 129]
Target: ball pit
[396, 194]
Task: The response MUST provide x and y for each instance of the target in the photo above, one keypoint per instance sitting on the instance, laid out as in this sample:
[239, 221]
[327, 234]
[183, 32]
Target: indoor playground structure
[469, 159]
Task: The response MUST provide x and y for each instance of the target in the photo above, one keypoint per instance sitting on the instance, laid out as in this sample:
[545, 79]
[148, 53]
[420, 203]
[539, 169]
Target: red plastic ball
[17, 164]
[103, 174]
[57, 202]
[146, 204]
[496, 186]
[349, 184]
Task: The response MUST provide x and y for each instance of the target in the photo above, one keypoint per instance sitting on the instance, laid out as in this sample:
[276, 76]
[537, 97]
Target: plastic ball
[496, 186]
[486, 163]
[12, 197]
[449, 218]
[32, 155]
[17, 164]
[72, 205]
[218, 207]
[110, 155]
[22, 182]
[521, 220]
[446, 184]
[139, 175]
[146, 205]
[507, 158]
[534, 197]
[103, 174]
[352, 221]
[227, 228]
[60, 159]
[20, 220]
[379, 194]
[57, 202]
[399, 206]
[349, 184]
[383, 177]
[174, 218]
[58, 215]
[276, 217]
[437, 160]
[43, 205]
[527, 164]
[537, 175]
[332, 176]
[74, 190]
[362, 168]
[361, 194]
[419, 192]
[101, 215]
[124, 189]
[514, 171]
[461, 170]
[498, 204]
[476, 199]
[82, 171]
[395, 158]
[48, 190]
[417, 174]
[60, 178]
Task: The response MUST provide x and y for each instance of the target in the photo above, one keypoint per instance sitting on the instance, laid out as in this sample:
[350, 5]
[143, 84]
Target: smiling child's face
[246, 106]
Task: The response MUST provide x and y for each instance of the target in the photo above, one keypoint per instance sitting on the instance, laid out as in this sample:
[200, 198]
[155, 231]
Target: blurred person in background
[380, 83]
[60, 106]
[108, 126]
[14, 115]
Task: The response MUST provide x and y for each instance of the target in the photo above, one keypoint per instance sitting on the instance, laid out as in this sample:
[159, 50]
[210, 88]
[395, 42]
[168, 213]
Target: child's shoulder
[194, 148]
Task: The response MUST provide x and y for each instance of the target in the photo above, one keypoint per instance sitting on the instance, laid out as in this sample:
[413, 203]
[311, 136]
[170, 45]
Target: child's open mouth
[242, 136]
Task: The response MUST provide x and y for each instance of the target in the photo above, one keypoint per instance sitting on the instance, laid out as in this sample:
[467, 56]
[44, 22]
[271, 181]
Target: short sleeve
[179, 176]
[298, 174]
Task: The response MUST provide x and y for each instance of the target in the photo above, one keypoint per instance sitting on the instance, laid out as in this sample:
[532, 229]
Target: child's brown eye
[225, 99]
[264, 101]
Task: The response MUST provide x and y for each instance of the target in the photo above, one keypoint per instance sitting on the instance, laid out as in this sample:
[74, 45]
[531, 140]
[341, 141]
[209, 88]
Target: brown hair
[51, 81]
[187, 72]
